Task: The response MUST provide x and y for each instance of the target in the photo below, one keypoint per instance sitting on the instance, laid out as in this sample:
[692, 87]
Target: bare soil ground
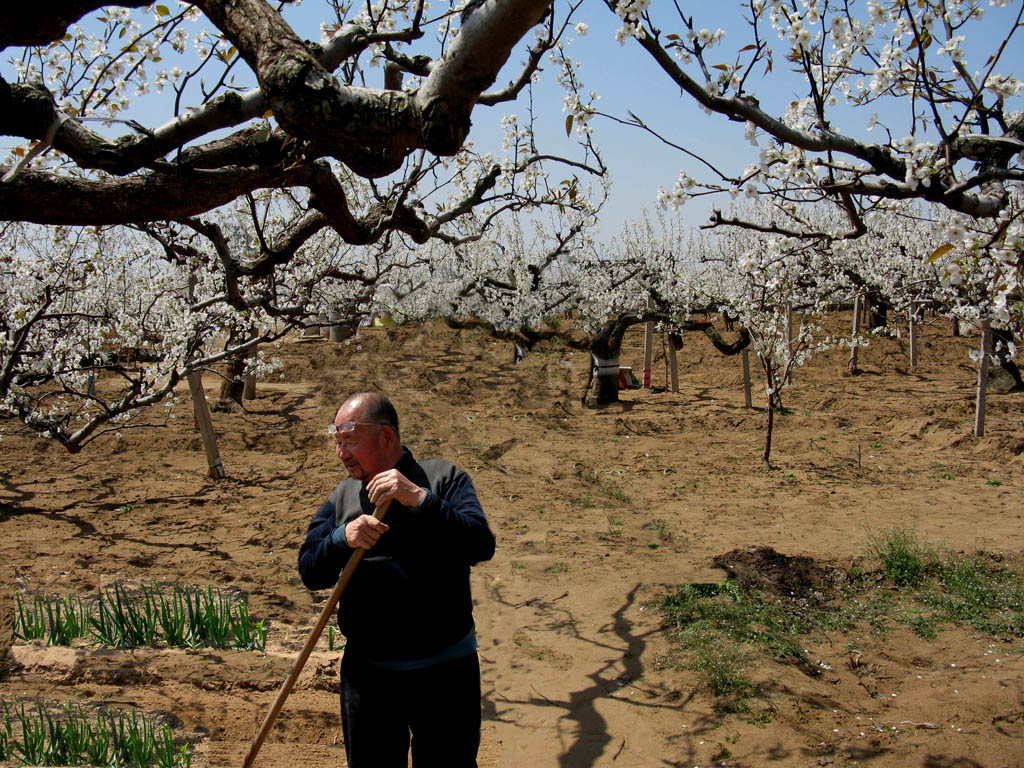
[597, 512]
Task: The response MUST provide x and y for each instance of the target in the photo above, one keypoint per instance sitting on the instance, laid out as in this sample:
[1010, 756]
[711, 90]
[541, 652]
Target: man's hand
[392, 484]
[363, 532]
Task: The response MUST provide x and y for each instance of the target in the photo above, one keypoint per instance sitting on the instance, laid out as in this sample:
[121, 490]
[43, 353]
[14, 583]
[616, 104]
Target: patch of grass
[721, 629]
[905, 560]
[718, 624]
[604, 487]
[560, 567]
[993, 482]
[971, 591]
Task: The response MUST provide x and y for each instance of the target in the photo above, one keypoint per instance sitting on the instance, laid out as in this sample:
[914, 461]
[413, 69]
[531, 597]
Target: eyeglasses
[350, 426]
[344, 433]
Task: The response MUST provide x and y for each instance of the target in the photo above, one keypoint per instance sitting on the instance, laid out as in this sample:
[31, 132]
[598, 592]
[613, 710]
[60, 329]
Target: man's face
[366, 450]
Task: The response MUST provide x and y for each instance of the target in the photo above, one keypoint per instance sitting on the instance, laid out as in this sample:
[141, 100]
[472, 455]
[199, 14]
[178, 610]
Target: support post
[979, 406]
[202, 414]
[673, 367]
[648, 346]
[913, 334]
[858, 302]
[746, 377]
[789, 341]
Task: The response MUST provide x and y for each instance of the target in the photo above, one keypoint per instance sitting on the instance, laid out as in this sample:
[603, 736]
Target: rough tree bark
[155, 177]
[232, 387]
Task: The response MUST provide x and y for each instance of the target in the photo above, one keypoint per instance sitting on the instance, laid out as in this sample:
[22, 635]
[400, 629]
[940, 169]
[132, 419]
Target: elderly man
[410, 663]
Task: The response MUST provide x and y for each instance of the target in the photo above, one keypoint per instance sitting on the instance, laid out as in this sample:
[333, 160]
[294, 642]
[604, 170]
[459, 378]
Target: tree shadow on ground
[589, 737]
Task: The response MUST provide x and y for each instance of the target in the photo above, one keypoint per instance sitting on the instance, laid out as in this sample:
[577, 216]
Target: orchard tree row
[291, 178]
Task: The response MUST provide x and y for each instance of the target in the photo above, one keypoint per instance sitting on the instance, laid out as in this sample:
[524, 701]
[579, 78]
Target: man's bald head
[372, 407]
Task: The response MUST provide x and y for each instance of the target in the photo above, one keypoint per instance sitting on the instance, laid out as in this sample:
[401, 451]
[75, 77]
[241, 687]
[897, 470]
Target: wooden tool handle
[300, 662]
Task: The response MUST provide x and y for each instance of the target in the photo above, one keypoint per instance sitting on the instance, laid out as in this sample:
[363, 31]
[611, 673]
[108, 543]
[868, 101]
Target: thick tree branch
[43, 198]
[27, 24]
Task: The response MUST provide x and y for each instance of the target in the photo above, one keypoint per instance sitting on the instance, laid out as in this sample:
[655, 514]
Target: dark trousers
[439, 706]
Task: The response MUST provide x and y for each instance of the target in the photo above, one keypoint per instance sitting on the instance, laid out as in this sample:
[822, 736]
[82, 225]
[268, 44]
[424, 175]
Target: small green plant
[904, 559]
[560, 567]
[605, 488]
[993, 483]
[51, 734]
[875, 444]
[661, 526]
[335, 640]
[59, 620]
[923, 626]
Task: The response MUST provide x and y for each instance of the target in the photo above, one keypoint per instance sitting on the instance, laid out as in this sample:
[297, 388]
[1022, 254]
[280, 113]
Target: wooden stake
[314, 636]
[789, 341]
[979, 406]
[674, 365]
[746, 377]
[913, 334]
[648, 346]
[857, 303]
[202, 415]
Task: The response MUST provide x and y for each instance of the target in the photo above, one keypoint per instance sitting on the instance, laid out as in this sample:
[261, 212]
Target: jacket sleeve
[320, 559]
[457, 520]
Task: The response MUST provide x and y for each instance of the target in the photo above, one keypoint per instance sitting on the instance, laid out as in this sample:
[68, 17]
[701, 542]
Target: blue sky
[627, 79]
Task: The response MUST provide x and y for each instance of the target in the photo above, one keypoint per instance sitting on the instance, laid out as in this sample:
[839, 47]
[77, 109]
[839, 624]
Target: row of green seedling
[70, 737]
[183, 618]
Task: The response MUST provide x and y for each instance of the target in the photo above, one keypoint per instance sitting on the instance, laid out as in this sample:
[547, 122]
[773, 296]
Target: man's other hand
[364, 531]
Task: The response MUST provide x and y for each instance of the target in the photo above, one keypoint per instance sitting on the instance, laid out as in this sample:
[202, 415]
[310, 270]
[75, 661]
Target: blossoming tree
[949, 134]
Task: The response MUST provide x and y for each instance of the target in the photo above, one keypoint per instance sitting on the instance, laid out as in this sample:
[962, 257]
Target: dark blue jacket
[409, 597]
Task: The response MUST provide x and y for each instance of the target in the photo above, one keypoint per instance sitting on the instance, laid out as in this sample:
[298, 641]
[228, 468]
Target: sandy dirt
[597, 513]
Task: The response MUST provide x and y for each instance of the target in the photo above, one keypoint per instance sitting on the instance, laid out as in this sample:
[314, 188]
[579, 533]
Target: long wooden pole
[674, 366]
[201, 409]
[979, 403]
[648, 347]
[300, 662]
[746, 377]
[858, 302]
[913, 334]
